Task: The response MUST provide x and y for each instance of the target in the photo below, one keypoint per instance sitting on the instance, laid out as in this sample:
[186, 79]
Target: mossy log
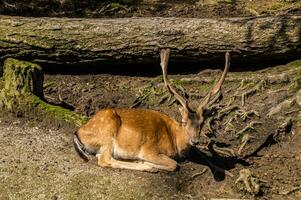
[63, 41]
[23, 92]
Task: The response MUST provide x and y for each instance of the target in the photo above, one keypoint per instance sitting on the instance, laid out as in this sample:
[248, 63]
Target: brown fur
[134, 134]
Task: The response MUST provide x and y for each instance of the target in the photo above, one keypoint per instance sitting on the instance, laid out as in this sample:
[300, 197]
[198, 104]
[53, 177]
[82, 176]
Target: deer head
[192, 120]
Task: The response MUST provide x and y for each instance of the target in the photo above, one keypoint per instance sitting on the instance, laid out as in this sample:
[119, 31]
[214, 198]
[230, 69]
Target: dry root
[258, 87]
[247, 182]
[245, 139]
[248, 127]
[223, 150]
[226, 111]
[247, 114]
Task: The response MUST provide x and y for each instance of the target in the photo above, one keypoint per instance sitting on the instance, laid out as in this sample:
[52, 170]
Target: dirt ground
[38, 160]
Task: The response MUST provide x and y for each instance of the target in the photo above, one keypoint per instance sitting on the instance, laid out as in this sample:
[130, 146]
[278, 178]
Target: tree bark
[62, 41]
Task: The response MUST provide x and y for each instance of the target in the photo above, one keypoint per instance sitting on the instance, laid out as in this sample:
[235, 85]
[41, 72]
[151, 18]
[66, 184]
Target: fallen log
[66, 41]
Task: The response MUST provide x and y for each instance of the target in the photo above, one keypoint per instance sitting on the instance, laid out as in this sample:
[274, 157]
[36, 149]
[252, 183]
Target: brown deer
[144, 139]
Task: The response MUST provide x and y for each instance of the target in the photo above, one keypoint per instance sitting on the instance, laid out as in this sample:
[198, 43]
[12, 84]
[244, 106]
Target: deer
[145, 139]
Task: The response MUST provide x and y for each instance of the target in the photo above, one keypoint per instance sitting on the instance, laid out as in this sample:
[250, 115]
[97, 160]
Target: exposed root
[229, 126]
[246, 114]
[247, 182]
[209, 124]
[164, 98]
[249, 127]
[231, 101]
[258, 87]
[292, 111]
[283, 129]
[245, 139]
[223, 150]
[294, 189]
[226, 111]
[199, 173]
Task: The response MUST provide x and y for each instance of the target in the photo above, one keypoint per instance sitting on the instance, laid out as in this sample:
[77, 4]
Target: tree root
[248, 127]
[226, 111]
[245, 139]
[229, 126]
[199, 173]
[258, 87]
[294, 189]
[247, 182]
[246, 114]
[223, 150]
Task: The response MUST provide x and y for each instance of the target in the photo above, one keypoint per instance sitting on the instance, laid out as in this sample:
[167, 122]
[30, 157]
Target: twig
[248, 127]
[226, 111]
[245, 139]
[224, 150]
[294, 189]
[232, 99]
[199, 173]
[245, 115]
[258, 87]
[209, 124]
[229, 127]
[164, 98]
[292, 111]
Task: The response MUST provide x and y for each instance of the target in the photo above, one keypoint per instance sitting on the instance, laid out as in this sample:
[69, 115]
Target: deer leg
[159, 161]
[105, 159]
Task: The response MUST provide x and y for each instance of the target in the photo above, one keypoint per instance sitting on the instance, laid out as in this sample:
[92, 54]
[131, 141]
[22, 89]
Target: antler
[216, 89]
[164, 63]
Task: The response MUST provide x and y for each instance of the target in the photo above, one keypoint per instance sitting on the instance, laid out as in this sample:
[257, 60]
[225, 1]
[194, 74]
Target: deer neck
[181, 138]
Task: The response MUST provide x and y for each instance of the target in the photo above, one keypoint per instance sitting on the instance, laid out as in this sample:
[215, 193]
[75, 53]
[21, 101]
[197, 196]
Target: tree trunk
[138, 40]
[23, 92]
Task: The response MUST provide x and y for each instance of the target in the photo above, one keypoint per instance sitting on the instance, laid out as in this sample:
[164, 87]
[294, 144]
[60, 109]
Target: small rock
[281, 106]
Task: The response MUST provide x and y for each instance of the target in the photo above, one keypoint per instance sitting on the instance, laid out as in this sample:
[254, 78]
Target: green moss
[115, 5]
[58, 112]
[294, 64]
[22, 77]
[206, 87]
[276, 6]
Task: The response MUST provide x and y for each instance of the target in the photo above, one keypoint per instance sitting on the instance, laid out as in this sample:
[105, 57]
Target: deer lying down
[143, 139]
